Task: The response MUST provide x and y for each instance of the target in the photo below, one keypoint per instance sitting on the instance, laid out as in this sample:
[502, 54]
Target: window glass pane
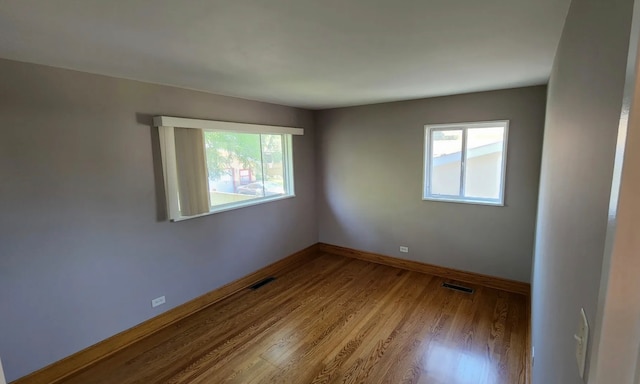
[273, 165]
[446, 160]
[234, 165]
[483, 171]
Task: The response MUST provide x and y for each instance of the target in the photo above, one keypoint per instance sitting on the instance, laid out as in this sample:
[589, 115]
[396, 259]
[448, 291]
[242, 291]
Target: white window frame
[166, 125]
[464, 127]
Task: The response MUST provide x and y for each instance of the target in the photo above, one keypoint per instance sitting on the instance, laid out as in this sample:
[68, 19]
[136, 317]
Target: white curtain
[193, 188]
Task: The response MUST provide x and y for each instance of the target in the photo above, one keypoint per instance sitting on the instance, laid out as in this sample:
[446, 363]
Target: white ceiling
[306, 53]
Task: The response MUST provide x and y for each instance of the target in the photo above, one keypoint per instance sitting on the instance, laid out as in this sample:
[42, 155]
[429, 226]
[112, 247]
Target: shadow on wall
[345, 222]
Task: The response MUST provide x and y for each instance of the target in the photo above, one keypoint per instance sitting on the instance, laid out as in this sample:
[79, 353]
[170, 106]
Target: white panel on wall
[2, 379]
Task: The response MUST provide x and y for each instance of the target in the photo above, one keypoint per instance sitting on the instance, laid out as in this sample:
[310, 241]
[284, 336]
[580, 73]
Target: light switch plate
[582, 341]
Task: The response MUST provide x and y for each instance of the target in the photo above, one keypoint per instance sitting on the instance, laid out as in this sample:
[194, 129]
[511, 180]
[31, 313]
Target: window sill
[465, 201]
[230, 207]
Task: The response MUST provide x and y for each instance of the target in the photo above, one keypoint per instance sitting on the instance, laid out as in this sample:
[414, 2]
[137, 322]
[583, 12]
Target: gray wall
[583, 111]
[82, 251]
[370, 196]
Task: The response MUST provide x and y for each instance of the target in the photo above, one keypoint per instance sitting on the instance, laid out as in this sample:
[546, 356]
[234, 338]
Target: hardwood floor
[335, 320]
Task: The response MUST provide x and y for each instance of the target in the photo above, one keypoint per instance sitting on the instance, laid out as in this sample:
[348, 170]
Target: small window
[466, 162]
[212, 166]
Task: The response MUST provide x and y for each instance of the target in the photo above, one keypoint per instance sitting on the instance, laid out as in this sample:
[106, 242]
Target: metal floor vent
[456, 287]
[262, 283]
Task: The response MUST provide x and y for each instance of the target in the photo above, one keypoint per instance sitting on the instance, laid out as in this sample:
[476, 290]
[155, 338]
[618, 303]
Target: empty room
[297, 191]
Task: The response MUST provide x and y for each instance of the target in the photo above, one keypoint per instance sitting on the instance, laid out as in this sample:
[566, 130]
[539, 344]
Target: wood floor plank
[335, 320]
[405, 362]
[321, 299]
[394, 332]
[363, 341]
[315, 349]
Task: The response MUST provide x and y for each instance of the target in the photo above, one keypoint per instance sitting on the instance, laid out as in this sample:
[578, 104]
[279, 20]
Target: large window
[212, 166]
[466, 162]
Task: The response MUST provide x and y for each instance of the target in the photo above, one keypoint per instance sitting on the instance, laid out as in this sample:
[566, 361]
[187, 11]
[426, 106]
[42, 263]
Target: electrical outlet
[158, 301]
[404, 249]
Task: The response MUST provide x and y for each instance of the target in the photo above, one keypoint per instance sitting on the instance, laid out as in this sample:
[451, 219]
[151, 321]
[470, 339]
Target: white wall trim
[615, 352]
[213, 125]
